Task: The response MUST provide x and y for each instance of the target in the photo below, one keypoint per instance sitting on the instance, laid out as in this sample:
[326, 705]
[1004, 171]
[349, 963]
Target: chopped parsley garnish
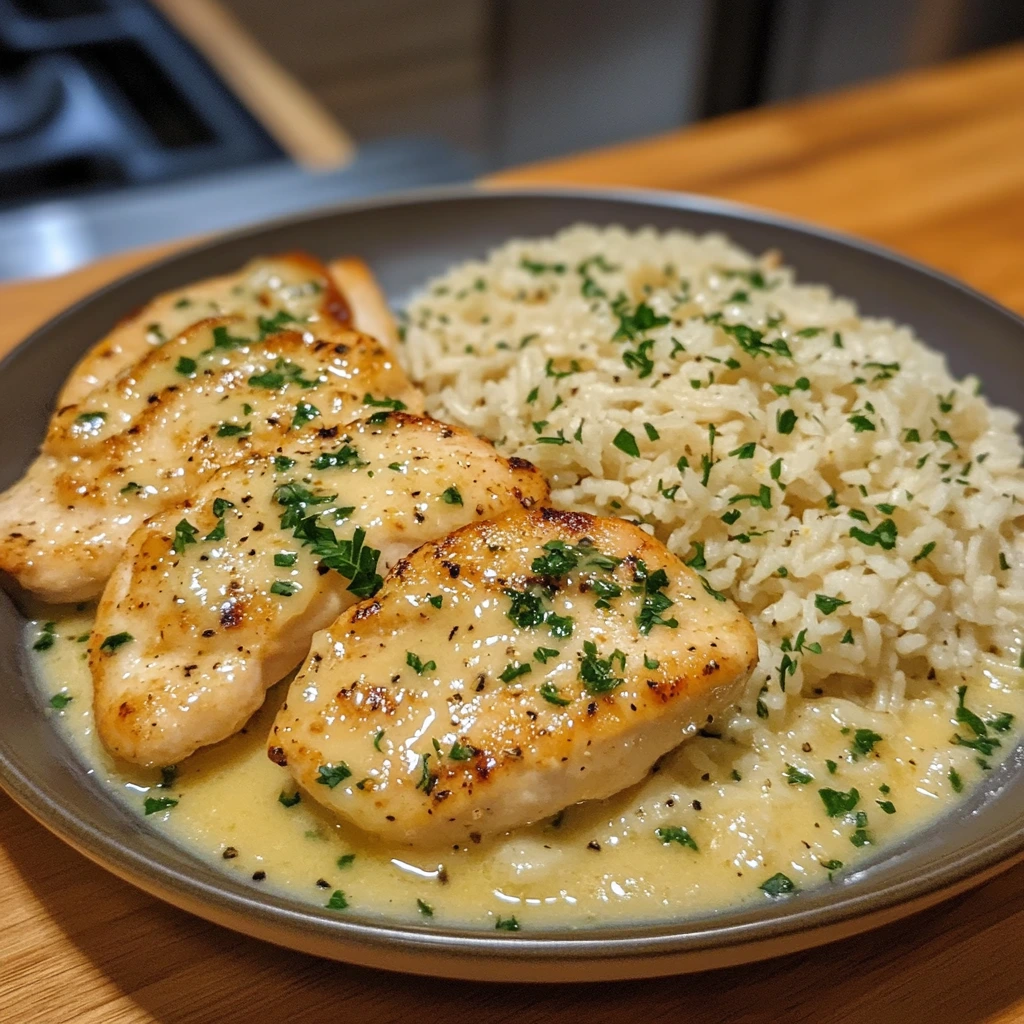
[827, 605]
[513, 670]
[860, 423]
[91, 420]
[289, 799]
[184, 534]
[154, 804]
[762, 498]
[461, 751]
[745, 451]
[451, 496]
[185, 366]
[884, 535]
[47, 637]
[543, 654]
[222, 338]
[561, 558]
[924, 552]
[638, 359]
[417, 665]
[535, 268]
[717, 595]
[384, 403]
[330, 775]
[284, 588]
[676, 834]
[436, 600]
[639, 322]
[785, 421]
[427, 780]
[887, 806]
[801, 384]
[234, 429]
[864, 741]
[282, 463]
[965, 716]
[527, 608]
[597, 673]
[861, 837]
[60, 701]
[285, 559]
[651, 663]
[778, 885]
[506, 924]
[273, 324]
[550, 371]
[305, 412]
[560, 625]
[218, 532]
[112, 643]
[550, 693]
[654, 602]
[353, 559]
[337, 901]
[698, 561]
[752, 341]
[956, 781]
[626, 442]
[797, 776]
[343, 457]
[424, 908]
[283, 373]
[985, 745]
[838, 803]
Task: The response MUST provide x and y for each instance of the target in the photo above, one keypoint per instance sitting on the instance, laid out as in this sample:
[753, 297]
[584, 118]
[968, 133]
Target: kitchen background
[126, 122]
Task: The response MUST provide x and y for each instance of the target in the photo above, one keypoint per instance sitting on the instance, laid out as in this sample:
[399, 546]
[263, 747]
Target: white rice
[936, 603]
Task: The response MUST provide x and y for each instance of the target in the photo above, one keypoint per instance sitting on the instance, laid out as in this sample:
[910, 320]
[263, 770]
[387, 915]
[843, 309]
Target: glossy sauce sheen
[141, 442]
[506, 670]
[294, 283]
[217, 599]
[599, 862]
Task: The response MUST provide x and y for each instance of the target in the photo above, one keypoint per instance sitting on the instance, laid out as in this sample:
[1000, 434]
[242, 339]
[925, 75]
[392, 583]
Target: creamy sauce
[744, 799]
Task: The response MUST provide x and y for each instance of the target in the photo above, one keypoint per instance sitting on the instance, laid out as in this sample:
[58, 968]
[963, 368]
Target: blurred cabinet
[385, 67]
[518, 80]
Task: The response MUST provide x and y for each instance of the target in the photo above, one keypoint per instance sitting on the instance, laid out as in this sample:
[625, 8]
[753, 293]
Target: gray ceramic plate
[406, 240]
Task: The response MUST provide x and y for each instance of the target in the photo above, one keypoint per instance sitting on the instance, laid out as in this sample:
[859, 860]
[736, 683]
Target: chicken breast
[369, 305]
[295, 286]
[224, 389]
[506, 671]
[217, 599]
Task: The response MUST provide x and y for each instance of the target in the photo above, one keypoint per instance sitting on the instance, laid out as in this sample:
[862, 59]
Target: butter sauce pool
[722, 821]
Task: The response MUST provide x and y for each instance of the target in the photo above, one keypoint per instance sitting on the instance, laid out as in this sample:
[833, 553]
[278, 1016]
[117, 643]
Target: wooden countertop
[931, 164]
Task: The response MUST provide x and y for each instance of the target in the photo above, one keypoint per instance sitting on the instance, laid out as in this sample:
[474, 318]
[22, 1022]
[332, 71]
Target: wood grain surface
[931, 164]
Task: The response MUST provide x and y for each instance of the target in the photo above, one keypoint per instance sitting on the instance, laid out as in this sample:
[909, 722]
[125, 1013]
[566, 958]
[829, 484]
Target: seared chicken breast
[292, 287]
[369, 305]
[506, 671]
[216, 599]
[208, 398]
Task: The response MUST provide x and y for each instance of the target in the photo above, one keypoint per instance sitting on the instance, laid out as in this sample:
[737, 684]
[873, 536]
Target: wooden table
[932, 164]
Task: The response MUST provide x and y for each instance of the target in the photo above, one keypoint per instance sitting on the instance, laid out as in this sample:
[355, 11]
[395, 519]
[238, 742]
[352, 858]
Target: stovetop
[102, 94]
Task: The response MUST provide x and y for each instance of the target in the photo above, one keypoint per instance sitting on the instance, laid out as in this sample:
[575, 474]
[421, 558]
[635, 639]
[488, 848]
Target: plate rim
[662, 948]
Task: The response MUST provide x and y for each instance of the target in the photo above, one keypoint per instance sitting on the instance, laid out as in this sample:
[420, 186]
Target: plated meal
[623, 577]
